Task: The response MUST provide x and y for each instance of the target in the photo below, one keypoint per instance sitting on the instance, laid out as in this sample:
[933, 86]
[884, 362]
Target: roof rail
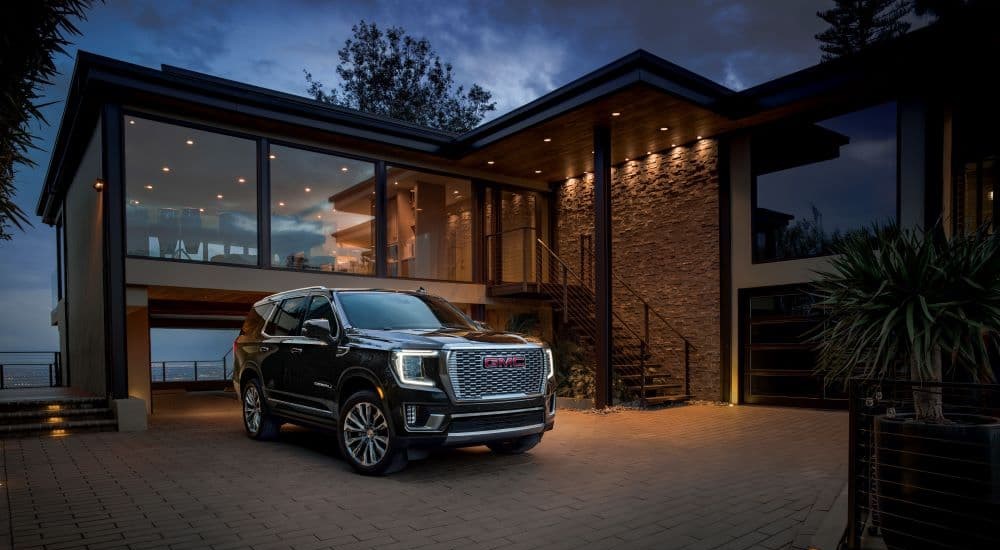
[294, 291]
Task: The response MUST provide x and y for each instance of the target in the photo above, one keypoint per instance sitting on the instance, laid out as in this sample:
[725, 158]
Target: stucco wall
[665, 232]
[85, 352]
[137, 338]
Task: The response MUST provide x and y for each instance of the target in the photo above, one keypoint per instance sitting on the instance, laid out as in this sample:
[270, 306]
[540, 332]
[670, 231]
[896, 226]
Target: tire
[258, 421]
[366, 438]
[516, 446]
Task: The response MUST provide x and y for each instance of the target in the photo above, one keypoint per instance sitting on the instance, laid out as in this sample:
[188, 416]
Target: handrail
[567, 269]
[646, 304]
[19, 367]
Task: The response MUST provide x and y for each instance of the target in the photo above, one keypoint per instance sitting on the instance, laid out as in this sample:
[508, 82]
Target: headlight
[551, 365]
[414, 366]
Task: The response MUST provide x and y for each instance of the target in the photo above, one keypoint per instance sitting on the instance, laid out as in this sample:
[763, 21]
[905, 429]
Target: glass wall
[322, 211]
[815, 183]
[429, 219]
[190, 194]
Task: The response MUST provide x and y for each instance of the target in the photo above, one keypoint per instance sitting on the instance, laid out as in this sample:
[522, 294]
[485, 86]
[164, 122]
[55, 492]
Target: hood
[435, 339]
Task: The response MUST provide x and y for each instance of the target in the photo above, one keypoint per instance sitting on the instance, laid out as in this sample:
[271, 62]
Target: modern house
[663, 220]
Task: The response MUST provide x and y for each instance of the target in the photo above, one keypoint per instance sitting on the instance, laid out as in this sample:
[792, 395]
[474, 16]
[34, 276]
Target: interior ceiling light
[626, 159]
[308, 189]
[343, 168]
[241, 180]
[190, 142]
[281, 203]
[663, 128]
[218, 196]
[538, 171]
[272, 156]
[131, 121]
[546, 140]
[165, 169]
[699, 137]
[150, 187]
[395, 183]
[455, 192]
[616, 113]
[649, 152]
[489, 162]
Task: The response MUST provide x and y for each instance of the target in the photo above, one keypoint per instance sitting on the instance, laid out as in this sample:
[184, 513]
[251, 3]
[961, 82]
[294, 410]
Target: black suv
[391, 373]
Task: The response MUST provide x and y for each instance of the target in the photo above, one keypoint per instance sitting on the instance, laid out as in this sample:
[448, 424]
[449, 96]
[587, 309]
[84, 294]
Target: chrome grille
[471, 380]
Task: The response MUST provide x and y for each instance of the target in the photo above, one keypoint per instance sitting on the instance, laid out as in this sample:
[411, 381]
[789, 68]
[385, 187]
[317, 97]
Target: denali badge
[513, 362]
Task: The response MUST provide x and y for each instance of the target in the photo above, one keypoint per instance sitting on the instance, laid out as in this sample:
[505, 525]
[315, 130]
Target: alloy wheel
[366, 434]
[252, 409]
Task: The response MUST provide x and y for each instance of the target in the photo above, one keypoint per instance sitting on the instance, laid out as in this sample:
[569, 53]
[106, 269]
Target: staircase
[54, 416]
[652, 375]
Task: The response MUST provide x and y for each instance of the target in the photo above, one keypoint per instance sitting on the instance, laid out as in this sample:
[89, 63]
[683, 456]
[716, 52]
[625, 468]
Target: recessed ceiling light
[663, 128]
[190, 142]
[455, 192]
[673, 145]
[546, 140]
[281, 203]
[149, 186]
[538, 171]
[308, 189]
[319, 216]
[135, 202]
[131, 122]
[218, 196]
[616, 113]
[626, 159]
[395, 183]
[165, 168]
[699, 137]
[272, 156]
[343, 168]
[241, 180]
[489, 162]
[201, 210]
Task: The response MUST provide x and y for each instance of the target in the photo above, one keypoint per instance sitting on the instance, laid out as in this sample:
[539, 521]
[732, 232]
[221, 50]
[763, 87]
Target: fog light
[411, 415]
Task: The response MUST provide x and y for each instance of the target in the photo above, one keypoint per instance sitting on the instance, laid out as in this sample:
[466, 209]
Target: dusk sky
[517, 50]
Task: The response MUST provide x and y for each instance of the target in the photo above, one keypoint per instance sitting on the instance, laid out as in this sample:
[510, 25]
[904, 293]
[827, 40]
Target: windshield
[395, 311]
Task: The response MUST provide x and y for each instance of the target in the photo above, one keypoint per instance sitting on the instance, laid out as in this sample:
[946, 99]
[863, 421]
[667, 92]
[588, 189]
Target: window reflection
[322, 210]
[816, 183]
[190, 194]
[429, 220]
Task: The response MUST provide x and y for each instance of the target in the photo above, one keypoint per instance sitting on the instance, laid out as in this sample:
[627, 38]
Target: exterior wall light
[99, 184]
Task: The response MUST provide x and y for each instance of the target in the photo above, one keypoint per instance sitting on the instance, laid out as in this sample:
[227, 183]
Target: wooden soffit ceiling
[562, 147]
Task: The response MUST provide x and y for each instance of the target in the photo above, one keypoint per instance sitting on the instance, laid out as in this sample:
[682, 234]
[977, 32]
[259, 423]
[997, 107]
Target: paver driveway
[691, 477]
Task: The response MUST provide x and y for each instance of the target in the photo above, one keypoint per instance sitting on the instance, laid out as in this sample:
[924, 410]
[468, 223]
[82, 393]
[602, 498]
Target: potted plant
[913, 303]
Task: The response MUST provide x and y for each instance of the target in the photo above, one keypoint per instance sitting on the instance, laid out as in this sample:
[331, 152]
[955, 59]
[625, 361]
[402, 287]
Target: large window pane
[815, 183]
[190, 194]
[429, 226]
[322, 211]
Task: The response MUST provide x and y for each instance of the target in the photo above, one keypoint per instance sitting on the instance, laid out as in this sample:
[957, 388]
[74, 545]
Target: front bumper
[441, 423]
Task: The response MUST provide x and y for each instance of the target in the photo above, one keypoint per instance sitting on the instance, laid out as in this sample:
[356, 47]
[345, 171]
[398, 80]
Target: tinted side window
[255, 319]
[286, 319]
[320, 308]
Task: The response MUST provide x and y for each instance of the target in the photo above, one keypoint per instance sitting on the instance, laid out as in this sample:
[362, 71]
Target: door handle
[296, 350]
[264, 348]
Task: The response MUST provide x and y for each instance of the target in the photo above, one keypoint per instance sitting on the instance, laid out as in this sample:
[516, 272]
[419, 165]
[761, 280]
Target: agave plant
[908, 299]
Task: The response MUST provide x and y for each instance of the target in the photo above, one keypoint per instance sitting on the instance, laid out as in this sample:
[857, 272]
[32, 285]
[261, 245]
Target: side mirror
[318, 329]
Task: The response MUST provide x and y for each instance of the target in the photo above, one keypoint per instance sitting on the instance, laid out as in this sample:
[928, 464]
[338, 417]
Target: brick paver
[689, 477]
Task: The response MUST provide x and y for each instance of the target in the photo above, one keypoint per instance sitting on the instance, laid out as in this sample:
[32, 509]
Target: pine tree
[857, 24]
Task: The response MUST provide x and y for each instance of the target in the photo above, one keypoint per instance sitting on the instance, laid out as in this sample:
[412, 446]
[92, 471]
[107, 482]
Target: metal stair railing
[587, 258]
[577, 300]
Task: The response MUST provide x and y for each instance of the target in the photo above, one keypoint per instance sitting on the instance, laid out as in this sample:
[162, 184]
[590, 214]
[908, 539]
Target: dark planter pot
[939, 484]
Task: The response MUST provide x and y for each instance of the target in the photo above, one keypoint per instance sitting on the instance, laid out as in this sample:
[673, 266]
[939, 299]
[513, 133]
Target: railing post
[2, 377]
[51, 375]
[163, 371]
[853, 534]
[642, 373]
[565, 300]
[645, 321]
[538, 264]
[195, 371]
[687, 367]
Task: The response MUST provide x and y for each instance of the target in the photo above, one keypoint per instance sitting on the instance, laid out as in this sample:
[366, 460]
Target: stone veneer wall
[665, 232]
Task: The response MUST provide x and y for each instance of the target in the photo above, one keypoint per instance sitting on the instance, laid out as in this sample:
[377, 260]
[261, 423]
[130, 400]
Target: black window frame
[278, 310]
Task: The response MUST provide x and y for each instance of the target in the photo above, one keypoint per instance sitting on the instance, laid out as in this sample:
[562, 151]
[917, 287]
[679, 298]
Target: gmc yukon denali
[392, 374]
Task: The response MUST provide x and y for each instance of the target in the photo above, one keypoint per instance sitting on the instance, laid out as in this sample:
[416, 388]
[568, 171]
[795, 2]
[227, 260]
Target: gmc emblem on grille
[512, 362]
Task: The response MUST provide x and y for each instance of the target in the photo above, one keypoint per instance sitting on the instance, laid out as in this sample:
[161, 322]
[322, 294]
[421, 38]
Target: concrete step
[20, 417]
[52, 404]
[61, 428]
